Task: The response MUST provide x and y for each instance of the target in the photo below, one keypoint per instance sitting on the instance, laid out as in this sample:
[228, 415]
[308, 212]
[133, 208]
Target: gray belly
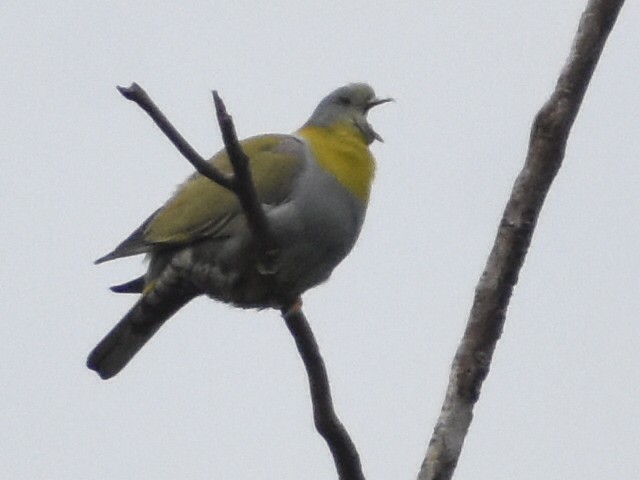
[314, 230]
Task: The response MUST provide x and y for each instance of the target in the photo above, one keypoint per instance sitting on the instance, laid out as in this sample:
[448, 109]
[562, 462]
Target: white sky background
[220, 393]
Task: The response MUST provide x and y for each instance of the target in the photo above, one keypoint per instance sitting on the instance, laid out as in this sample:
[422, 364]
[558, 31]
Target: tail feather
[135, 329]
[134, 286]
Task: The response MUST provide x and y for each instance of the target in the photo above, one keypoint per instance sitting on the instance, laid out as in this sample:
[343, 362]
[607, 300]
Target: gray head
[350, 103]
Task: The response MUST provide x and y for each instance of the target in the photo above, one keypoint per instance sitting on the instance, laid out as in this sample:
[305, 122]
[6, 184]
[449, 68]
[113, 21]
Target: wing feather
[201, 208]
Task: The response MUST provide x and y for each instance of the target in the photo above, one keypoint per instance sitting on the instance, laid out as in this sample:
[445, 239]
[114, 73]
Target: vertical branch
[243, 185]
[547, 144]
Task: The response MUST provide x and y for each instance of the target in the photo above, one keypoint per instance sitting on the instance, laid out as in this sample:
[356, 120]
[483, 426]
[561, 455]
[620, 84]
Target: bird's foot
[293, 308]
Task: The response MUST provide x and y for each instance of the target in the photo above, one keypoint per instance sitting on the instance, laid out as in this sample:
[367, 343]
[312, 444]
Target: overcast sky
[220, 393]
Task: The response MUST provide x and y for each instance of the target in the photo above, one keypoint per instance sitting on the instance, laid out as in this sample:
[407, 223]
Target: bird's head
[349, 104]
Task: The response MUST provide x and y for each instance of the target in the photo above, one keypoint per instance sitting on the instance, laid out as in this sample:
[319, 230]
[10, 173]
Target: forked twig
[241, 184]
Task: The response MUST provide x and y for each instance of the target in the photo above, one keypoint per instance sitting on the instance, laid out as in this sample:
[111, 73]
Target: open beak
[377, 101]
[374, 103]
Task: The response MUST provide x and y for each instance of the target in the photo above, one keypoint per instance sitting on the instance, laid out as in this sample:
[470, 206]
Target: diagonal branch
[547, 144]
[137, 94]
[242, 182]
[344, 452]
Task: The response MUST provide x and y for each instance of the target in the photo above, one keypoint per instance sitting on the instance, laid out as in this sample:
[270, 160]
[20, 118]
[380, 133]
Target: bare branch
[136, 94]
[242, 183]
[327, 423]
[548, 140]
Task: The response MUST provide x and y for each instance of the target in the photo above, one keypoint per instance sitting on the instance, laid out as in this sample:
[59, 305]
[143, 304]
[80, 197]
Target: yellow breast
[341, 151]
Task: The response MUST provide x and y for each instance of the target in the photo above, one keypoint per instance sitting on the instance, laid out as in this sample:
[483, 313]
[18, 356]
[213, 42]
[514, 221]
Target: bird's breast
[342, 152]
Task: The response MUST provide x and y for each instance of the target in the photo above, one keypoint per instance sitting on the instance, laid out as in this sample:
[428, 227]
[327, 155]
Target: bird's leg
[292, 308]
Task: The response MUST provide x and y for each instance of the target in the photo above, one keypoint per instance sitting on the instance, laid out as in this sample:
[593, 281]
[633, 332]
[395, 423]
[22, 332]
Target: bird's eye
[344, 100]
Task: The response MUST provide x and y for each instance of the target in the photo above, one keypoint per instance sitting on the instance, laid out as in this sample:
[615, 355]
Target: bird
[313, 185]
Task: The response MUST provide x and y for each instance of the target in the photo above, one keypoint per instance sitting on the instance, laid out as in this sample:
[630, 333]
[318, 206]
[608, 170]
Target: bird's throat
[342, 151]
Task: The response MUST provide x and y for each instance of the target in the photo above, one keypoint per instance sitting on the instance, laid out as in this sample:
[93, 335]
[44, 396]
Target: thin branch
[242, 183]
[548, 140]
[136, 94]
[327, 423]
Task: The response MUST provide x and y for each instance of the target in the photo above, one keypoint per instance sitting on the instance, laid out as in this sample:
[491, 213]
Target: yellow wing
[201, 208]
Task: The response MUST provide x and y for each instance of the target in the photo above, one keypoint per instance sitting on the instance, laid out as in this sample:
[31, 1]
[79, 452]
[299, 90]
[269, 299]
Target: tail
[136, 328]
